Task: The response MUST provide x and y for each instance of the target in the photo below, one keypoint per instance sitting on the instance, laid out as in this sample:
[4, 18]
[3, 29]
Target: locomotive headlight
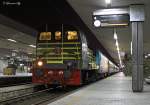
[40, 63]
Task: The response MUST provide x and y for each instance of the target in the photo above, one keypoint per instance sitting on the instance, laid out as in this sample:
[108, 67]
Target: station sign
[115, 17]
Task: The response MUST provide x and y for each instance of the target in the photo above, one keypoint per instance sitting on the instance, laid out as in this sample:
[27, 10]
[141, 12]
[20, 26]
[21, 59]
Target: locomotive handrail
[78, 52]
[61, 62]
[60, 43]
[64, 53]
[61, 58]
[66, 48]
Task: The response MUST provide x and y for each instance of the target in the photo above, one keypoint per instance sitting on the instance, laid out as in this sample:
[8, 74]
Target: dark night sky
[38, 13]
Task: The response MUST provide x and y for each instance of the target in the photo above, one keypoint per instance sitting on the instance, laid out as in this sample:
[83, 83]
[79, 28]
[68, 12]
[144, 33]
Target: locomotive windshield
[57, 35]
[72, 35]
[45, 36]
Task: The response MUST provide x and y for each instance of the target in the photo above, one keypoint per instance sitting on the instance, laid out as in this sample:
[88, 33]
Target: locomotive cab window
[45, 36]
[57, 35]
[72, 35]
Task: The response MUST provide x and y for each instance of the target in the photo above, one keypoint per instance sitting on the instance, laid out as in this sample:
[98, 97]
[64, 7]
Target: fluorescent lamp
[121, 24]
[115, 36]
[120, 63]
[131, 48]
[113, 11]
[118, 52]
[118, 49]
[108, 1]
[18, 57]
[119, 57]
[21, 64]
[32, 46]
[15, 50]
[12, 40]
[29, 53]
[117, 43]
[7, 55]
[146, 56]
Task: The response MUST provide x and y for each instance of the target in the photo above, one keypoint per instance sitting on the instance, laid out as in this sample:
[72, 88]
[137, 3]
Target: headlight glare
[40, 63]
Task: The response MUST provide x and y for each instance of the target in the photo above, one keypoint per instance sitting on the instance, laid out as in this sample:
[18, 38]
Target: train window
[45, 36]
[72, 35]
[57, 35]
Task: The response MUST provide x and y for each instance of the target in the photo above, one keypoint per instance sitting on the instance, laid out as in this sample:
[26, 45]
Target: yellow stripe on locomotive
[57, 47]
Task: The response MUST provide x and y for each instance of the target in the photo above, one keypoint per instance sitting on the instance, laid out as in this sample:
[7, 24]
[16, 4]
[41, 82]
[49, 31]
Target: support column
[137, 18]
[137, 57]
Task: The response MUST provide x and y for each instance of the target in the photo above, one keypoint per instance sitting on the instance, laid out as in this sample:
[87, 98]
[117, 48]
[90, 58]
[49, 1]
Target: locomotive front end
[58, 57]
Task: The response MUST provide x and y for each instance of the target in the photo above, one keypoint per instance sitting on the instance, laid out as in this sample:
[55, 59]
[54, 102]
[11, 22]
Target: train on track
[63, 57]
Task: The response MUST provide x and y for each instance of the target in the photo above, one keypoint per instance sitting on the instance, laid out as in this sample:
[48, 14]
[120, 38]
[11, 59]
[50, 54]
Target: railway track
[42, 97]
[8, 93]
[1, 86]
[13, 100]
[39, 97]
[59, 94]
[14, 81]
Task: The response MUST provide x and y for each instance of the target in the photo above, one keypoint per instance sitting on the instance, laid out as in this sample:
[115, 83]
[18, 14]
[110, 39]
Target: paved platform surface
[13, 88]
[19, 78]
[114, 90]
[17, 75]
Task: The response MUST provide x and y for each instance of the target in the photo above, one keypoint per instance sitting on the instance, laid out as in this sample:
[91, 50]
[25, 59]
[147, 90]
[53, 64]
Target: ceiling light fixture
[32, 46]
[29, 53]
[146, 56]
[15, 50]
[12, 40]
[118, 49]
[117, 43]
[121, 24]
[7, 55]
[108, 1]
[131, 48]
[115, 35]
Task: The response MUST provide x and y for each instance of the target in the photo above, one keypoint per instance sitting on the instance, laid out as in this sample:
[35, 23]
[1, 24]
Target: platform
[114, 90]
[19, 78]
[17, 75]
[13, 88]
